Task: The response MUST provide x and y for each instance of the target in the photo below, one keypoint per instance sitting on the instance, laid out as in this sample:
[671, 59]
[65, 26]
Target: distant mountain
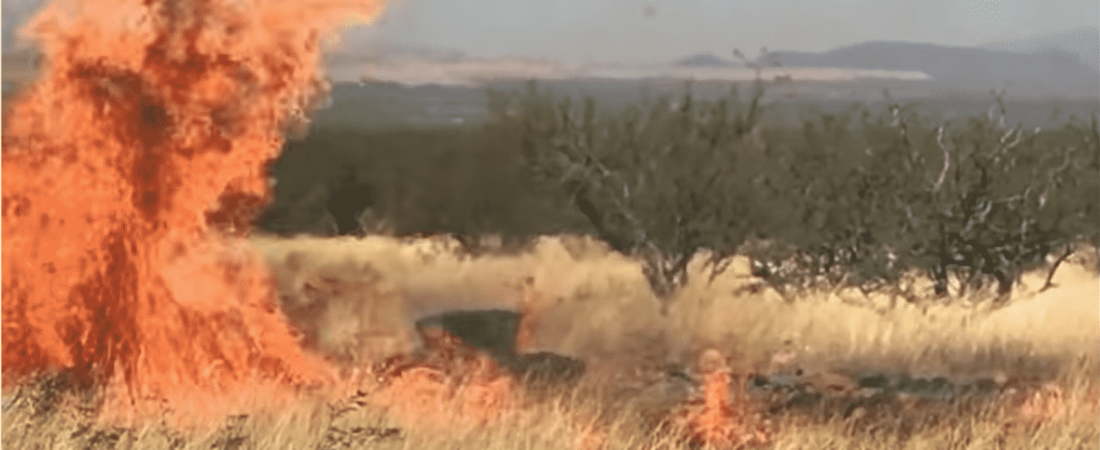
[963, 69]
[442, 55]
[704, 60]
[1082, 43]
[381, 51]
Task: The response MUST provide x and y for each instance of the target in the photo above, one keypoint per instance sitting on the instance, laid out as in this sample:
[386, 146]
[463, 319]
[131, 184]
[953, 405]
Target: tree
[659, 182]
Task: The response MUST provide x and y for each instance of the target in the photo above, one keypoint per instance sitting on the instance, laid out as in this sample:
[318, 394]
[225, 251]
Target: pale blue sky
[619, 30]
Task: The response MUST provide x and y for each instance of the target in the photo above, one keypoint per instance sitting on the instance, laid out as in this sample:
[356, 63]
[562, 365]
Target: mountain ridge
[1049, 73]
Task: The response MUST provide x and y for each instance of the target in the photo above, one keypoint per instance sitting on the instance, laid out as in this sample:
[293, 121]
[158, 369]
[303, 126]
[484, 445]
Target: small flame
[529, 319]
[456, 386]
[718, 421]
[1046, 403]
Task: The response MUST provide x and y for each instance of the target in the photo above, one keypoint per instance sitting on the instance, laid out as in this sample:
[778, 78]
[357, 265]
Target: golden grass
[356, 300]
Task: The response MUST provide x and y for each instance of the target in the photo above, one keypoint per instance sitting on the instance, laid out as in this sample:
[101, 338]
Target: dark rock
[547, 369]
[493, 331]
[942, 388]
[919, 385]
[874, 382]
[982, 386]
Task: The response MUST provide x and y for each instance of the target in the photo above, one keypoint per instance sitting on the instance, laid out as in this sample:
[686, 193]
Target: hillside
[962, 69]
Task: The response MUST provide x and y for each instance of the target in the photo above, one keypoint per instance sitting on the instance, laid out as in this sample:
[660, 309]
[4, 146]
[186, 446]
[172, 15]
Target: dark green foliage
[661, 181]
[348, 201]
[850, 200]
[463, 181]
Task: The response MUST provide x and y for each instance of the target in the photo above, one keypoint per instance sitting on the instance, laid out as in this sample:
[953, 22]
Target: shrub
[851, 199]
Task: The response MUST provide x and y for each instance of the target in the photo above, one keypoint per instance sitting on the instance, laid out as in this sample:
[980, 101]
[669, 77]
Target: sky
[661, 30]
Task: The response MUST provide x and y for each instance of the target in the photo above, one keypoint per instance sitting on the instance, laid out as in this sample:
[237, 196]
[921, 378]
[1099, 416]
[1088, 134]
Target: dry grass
[356, 300]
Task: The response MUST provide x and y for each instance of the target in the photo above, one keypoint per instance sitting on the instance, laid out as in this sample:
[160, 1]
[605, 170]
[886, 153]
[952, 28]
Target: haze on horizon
[649, 31]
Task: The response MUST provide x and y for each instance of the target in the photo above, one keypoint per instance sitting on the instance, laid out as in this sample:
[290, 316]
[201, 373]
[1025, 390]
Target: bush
[850, 200]
[660, 181]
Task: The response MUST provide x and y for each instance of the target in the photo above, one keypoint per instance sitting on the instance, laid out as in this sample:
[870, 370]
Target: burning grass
[125, 166]
[595, 305]
[134, 315]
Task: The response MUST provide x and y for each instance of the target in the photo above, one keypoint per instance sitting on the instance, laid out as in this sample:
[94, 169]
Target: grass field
[355, 300]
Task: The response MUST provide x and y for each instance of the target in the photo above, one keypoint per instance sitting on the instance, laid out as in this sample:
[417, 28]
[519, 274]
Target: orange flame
[718, 422]
[1048, 402]
[148, 114]
[529, 320]
[457, 386]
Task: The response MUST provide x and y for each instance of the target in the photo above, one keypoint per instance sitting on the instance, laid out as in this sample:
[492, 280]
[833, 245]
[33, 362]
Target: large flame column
[147, 116]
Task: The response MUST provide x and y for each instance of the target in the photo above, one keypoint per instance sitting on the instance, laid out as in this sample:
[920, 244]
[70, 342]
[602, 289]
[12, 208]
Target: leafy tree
[661, 181]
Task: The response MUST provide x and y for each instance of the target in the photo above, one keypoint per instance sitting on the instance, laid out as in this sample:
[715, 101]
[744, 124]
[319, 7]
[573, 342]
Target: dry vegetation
[356, 299]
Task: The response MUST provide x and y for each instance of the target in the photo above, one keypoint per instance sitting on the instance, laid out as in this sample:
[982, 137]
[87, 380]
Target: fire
[130, 171]
[457, 386]
[1048, 402]
[529, 320]
[719, 421]
[147, 134]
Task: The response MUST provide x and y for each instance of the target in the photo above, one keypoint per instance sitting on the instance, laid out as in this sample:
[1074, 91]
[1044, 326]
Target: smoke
[15, 14]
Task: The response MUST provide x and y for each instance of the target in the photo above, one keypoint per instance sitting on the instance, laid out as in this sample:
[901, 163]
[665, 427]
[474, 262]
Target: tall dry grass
[593, 302]
[356, 299]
